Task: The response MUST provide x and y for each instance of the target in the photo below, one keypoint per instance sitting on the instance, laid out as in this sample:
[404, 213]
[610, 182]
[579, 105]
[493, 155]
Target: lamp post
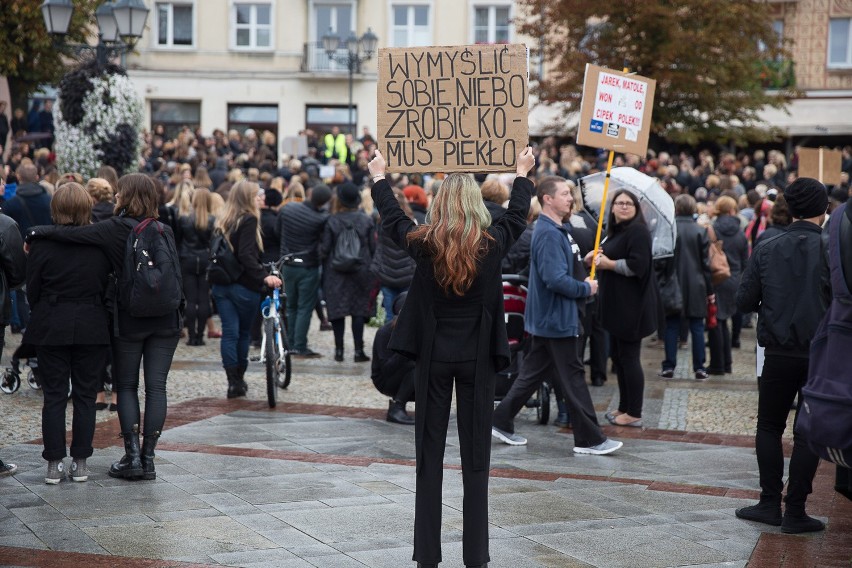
[120, 25]
[358, 50]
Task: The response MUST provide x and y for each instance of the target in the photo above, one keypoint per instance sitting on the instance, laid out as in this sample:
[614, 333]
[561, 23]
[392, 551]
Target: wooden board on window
[822, 164]
[453, 109]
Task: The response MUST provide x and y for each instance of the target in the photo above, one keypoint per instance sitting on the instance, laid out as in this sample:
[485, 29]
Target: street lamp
[120, 25]
[358, 50]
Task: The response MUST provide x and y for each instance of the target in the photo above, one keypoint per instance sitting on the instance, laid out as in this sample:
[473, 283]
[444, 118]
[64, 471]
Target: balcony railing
[316, 60]
[777, 74]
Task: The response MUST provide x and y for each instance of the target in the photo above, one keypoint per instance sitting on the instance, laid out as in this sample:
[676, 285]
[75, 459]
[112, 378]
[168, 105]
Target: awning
[813, 117]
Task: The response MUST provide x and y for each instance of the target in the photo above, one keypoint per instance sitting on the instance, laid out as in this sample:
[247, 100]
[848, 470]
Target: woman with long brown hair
[452, 325]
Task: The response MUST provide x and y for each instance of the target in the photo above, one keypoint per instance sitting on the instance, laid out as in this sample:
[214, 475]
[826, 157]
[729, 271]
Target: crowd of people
[356, 242]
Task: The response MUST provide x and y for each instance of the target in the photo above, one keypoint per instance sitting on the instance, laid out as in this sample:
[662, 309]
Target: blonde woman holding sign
[452, 325]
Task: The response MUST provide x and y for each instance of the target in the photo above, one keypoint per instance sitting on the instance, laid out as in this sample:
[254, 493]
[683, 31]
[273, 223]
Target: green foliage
[28, 57]
[709, 58]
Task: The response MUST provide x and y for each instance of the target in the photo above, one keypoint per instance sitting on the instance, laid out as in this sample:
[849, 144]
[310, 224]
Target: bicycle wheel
[284, 368]
[271, 356]
[543, 409]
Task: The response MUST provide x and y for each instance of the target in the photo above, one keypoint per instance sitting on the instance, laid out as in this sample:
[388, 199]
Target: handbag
[720, 270]
[671, 295]
[224, 267]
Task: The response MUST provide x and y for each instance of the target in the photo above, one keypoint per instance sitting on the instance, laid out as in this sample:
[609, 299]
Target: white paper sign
[620, 101]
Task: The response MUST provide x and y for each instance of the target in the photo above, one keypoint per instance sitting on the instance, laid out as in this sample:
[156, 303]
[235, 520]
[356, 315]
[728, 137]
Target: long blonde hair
[240, 203]
[201, 205]
[455, 232]
[182, 199]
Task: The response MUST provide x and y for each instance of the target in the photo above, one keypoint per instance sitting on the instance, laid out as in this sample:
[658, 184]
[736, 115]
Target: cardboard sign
[295, 146]
[821, 164]
[616, 110]
[453, 109]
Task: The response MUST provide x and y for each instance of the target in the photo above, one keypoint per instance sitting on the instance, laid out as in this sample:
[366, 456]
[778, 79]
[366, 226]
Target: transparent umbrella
[657, 205]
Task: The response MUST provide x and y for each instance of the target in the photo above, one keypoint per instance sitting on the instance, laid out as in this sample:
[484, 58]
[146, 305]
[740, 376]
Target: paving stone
[65, 535]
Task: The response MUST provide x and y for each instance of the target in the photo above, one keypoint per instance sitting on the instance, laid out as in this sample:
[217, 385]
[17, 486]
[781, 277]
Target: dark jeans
[198, 309]
[430, 472]
[388, 296]
[154, 351]
[339, 326]
[719, 339]
[782, 378]
[696, 328]
[84, 364]
[554, 359]
[237, 307]
[300, 285]
[631, 378]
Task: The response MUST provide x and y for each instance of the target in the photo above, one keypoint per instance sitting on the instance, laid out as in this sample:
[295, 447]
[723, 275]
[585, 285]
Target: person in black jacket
[69, 326]
[193, 235]
[787, 282]
[147, 342]
[628, 301]
[392, 266]
[453, 326]
[240, 301]
[392, 373]
[301, 226]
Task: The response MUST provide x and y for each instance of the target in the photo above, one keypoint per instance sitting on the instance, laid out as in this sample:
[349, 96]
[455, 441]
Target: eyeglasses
[623, 204]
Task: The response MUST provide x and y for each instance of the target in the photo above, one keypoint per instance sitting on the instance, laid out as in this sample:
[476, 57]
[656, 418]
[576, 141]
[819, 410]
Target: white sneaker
[79, 471]
[507, 438]
[606, 447]
[55, 472]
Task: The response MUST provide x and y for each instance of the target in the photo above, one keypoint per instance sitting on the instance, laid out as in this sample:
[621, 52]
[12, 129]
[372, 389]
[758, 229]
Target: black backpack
[346, 255]
[150, 284]
[224, 267]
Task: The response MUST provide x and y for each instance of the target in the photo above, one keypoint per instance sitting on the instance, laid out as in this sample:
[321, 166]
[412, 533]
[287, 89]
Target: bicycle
[274, 345]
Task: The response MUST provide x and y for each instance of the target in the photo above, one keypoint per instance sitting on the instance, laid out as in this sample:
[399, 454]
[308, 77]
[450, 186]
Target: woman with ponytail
[452, 325]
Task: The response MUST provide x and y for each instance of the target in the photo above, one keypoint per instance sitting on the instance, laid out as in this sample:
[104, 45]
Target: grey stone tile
[40, 513]
[274, 508]
[118, 520]
[181, 515]
[65, 535]
[541, 507]
[335, 561]
[572, 526]
[313, 550]
[383, 487]
[258, 521]
[24, 540]
[289, 538]
[372, 544]
[356, 501]
[144, 499]
[334, 525]
[249, 557]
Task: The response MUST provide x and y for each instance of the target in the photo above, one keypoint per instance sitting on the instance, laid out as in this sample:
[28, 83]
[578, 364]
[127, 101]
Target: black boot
[235, 387]
[360, 356]
[241, 374]
[149, 442]
[338, 354]
[397, 413]
[130, 466]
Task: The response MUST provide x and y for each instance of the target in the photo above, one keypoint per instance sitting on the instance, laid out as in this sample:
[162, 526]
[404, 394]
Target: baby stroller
[10, 381]
[514, 302]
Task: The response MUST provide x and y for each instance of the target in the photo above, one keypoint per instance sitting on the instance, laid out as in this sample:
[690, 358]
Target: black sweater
[244, 241]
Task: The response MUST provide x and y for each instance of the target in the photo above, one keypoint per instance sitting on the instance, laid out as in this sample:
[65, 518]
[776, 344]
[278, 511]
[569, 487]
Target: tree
[28, 57]
[710, 59]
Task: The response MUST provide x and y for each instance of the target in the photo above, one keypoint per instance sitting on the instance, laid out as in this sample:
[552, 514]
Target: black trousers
[597, 337]
[781, 379]
[719, 339]
[555, 359]
[84, 365]
[339, 327]
[430, 471]
[631, 379]
[398, 385]
[154, 352]
[196, 289]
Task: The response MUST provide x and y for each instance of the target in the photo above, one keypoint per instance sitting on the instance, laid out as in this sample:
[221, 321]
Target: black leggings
[154, 351]
[631, 379]
[198, 309]
[357, 331]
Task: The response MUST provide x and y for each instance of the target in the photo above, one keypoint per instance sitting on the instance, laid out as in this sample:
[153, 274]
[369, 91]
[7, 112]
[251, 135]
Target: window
[839, 44]
[260, 117]
[252, 25]
[778, 28]
[321, 119]
[174, 24]
[491, 24]
[174, 115]
[411, 26]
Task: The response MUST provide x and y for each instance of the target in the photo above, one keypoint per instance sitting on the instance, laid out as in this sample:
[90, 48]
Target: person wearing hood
[735, 246]
[31, 204]
[219, 173]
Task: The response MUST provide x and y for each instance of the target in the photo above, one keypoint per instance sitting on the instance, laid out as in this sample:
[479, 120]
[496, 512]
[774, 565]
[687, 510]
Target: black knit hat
[349, 195]
[806, 198]
[273, 197]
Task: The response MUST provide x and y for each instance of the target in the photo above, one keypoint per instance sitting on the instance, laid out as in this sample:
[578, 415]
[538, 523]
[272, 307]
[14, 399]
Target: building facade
[261, 63]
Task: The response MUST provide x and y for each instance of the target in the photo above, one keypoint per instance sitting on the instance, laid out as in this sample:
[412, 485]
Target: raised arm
[394, 220]
[512, 224]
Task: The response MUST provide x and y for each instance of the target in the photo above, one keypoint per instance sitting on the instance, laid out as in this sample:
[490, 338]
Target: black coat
[194, 245]
[269, 235]
[65, 287]
[102, 210]
[693, 266]
[300, 228]
[480, 307]
[244, 242]
[496, 210]
[735, 245]
[13, 263]
[629, 303]
[348, 293]
[392, 266]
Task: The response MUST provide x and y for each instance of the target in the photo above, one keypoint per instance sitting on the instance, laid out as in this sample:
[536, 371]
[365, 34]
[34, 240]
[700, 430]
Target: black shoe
[796, 524]
[715, 372]
[765, 512]
[325, 326]
[235, 387]
[397, 413]
[701, 375]
[477, 566]
[306, 353]
[147, 455]
[101, 405]
[113, 407]
[598, 381]
[735, 344]
[130, 466]
[421, 565]
[338, 354]
[360, 356]
[666, 373]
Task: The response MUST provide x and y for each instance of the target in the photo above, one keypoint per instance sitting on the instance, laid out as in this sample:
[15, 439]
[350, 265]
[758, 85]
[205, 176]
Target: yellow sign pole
[603, 210]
